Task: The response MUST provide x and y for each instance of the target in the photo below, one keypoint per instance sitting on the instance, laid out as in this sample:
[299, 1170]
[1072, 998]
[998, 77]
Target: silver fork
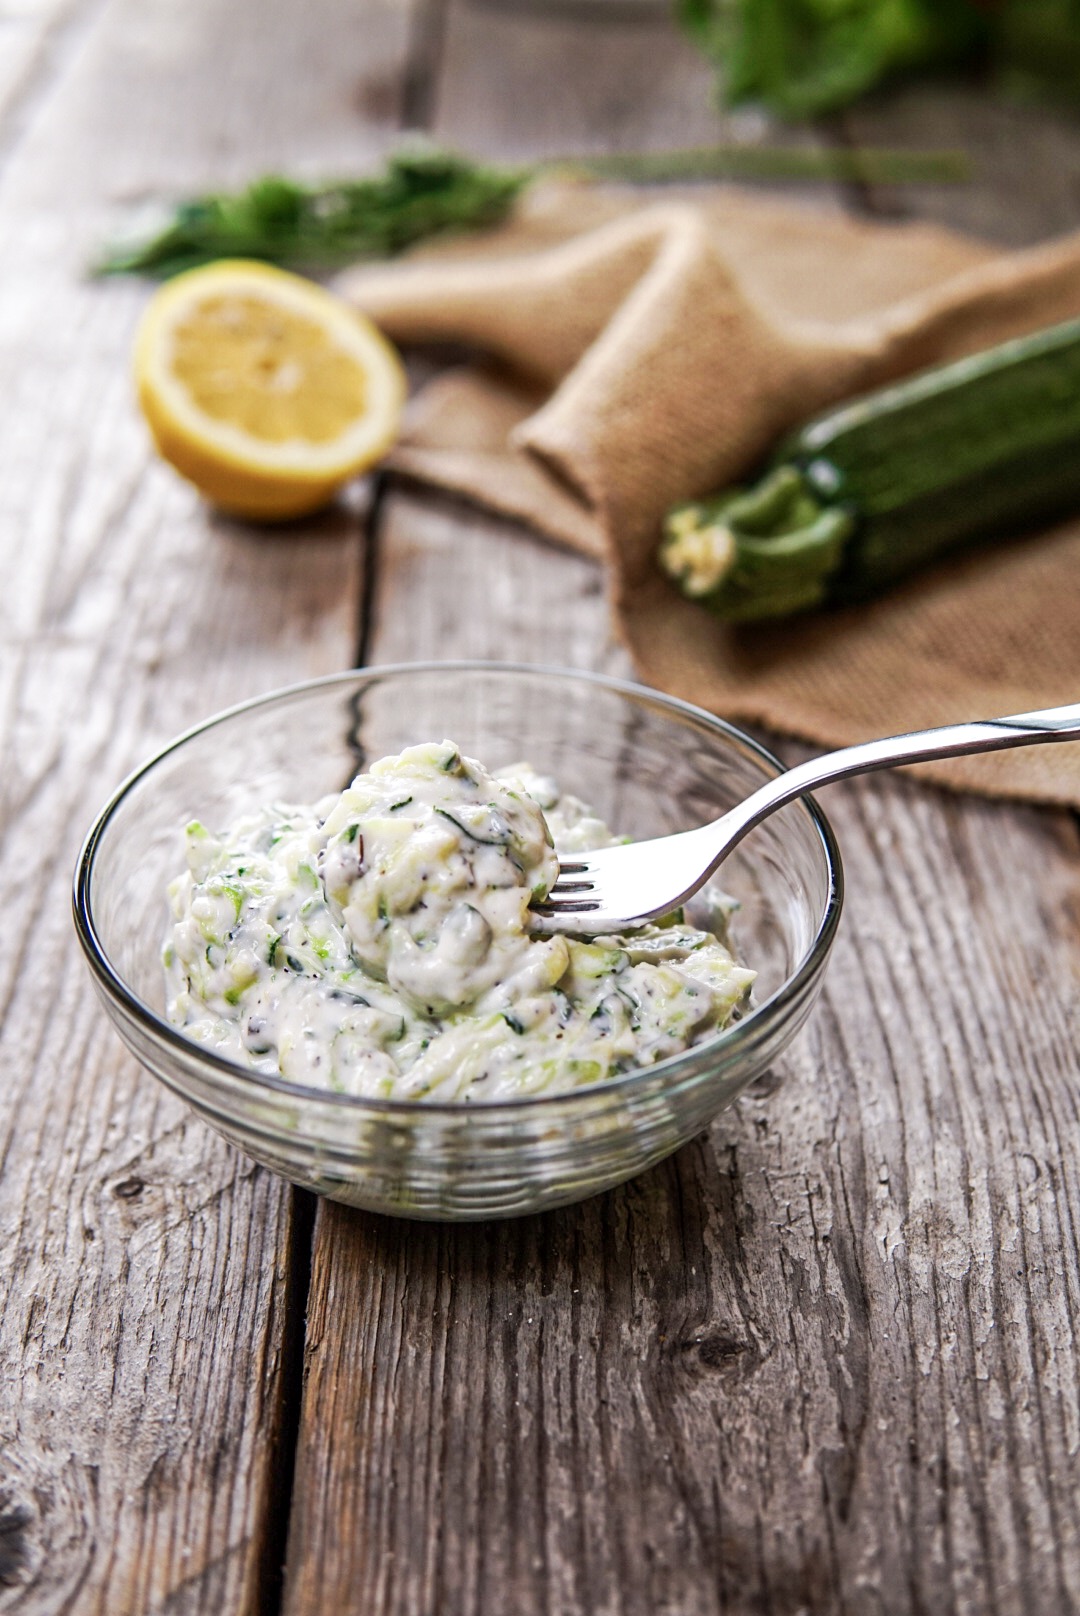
[619, 887]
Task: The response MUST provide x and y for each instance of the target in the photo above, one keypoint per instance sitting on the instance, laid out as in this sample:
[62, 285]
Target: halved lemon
[262, 389]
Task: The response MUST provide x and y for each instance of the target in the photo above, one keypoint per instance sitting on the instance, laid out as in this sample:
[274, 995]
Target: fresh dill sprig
[424, 191]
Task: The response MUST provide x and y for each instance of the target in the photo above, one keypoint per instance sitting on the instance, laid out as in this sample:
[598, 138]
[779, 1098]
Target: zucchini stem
[760, 552]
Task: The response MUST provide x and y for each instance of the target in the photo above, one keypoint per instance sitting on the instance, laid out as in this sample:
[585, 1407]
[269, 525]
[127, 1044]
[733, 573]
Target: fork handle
[951, 740]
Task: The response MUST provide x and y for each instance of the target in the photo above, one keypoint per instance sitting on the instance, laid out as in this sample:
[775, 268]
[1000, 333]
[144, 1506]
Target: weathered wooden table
[823, 1360]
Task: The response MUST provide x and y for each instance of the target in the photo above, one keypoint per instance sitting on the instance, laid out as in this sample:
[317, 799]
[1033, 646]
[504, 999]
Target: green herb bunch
[419, 192]
[802, 58]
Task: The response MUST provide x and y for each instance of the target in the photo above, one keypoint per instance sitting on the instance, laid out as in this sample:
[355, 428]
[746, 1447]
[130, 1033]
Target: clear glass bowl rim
[730, 1040]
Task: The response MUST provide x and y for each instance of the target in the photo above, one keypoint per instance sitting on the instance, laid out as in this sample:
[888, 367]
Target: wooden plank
[825, 1354]
[529, 79]
[144, 1331]
[201, 96]
[1025, 161]
[480, 587]
[522, 80]
[824, 1359]
[32, 37]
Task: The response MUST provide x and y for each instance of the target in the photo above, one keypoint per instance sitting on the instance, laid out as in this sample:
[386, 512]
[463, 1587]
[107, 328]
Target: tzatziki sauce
[379, 943]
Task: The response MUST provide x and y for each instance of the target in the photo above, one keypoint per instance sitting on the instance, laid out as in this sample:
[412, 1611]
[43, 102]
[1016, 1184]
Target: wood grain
[150, 1271]
[555, 78]
[547, 80]
[1025, 160]
[455, 581]
[825, 1359]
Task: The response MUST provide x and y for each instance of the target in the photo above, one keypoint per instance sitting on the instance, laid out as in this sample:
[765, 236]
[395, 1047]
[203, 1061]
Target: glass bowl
[647, 763]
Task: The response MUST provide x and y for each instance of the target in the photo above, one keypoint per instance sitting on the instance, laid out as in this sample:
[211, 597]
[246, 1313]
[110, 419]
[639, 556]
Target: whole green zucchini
[873, 488]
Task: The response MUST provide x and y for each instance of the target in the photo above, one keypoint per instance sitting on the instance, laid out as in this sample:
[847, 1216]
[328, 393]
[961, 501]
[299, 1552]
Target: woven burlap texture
[642, 353]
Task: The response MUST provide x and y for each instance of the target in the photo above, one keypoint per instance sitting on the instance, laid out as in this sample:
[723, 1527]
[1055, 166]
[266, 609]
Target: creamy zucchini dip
[378, 943]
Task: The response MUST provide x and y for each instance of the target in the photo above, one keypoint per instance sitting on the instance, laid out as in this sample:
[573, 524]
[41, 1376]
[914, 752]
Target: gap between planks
[418, 93]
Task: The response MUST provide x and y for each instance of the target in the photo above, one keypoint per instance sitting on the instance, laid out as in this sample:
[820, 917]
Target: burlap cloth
[643, 353]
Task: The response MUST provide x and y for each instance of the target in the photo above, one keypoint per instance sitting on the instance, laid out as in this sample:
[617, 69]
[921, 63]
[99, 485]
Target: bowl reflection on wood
[647, 763]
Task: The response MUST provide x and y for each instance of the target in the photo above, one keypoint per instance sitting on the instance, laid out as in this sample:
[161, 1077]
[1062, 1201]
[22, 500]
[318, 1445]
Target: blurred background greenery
[802, 58]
